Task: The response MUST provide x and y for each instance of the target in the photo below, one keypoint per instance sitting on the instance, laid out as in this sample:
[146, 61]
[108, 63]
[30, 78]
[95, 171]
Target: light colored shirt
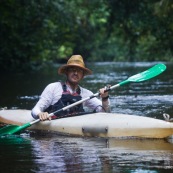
[53, 92]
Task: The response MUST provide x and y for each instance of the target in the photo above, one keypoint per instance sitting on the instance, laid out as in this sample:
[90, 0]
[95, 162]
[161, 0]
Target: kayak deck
[98, 124]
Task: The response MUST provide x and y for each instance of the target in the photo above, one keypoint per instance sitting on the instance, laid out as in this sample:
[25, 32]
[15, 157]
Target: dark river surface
[33, 152]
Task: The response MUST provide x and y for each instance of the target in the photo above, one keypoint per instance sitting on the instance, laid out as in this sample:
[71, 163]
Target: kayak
[105, 125]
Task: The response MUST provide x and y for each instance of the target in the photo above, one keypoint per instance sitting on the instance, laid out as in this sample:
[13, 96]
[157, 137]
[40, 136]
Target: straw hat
[75, 61]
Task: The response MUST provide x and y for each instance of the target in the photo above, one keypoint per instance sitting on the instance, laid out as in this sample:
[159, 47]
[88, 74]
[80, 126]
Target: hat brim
[63, 69]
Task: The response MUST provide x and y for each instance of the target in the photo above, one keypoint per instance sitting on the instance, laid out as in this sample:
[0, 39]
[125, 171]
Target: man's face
[74, 74]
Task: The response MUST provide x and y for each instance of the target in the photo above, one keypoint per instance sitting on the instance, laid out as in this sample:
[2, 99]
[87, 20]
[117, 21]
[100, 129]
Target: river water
[33, 152]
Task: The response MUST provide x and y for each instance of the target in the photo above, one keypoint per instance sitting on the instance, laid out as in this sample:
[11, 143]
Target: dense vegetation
[33, 32]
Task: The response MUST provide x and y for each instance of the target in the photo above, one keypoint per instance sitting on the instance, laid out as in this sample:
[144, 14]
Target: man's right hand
[44, 116]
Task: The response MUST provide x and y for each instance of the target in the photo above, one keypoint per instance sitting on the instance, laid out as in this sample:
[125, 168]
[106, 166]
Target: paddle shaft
[148, 74]
[81, 101]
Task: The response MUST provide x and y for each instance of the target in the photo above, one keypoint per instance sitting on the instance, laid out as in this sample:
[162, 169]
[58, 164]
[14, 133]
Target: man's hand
[103, 94]
[44, 116]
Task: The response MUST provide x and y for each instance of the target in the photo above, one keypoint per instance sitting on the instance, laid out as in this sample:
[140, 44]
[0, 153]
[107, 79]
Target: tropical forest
[37, 32]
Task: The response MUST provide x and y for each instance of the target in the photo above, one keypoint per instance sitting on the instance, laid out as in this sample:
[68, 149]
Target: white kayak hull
[98, 124]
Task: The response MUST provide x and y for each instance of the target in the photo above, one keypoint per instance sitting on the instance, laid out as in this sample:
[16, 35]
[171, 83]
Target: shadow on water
[13, 140]
[37, 153]
[15, 154]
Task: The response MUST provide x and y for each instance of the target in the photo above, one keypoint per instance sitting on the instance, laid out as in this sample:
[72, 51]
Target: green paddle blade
[148, 74]
[12, 129]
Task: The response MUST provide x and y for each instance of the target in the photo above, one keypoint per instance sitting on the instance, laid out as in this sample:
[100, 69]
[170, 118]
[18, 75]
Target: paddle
[148, 74]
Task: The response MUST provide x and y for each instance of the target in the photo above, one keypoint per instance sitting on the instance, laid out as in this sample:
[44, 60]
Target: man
[58, 95]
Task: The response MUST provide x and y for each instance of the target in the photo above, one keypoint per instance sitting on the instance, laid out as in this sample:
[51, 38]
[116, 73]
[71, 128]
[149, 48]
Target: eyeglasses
[72, 69]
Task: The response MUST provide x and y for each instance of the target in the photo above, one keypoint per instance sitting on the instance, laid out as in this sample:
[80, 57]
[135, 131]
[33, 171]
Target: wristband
[105, 98]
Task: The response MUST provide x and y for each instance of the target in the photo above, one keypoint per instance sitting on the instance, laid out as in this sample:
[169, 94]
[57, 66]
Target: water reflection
[101, 155]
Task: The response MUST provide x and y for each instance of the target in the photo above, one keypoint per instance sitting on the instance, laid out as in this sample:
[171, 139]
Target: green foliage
[35, 32]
